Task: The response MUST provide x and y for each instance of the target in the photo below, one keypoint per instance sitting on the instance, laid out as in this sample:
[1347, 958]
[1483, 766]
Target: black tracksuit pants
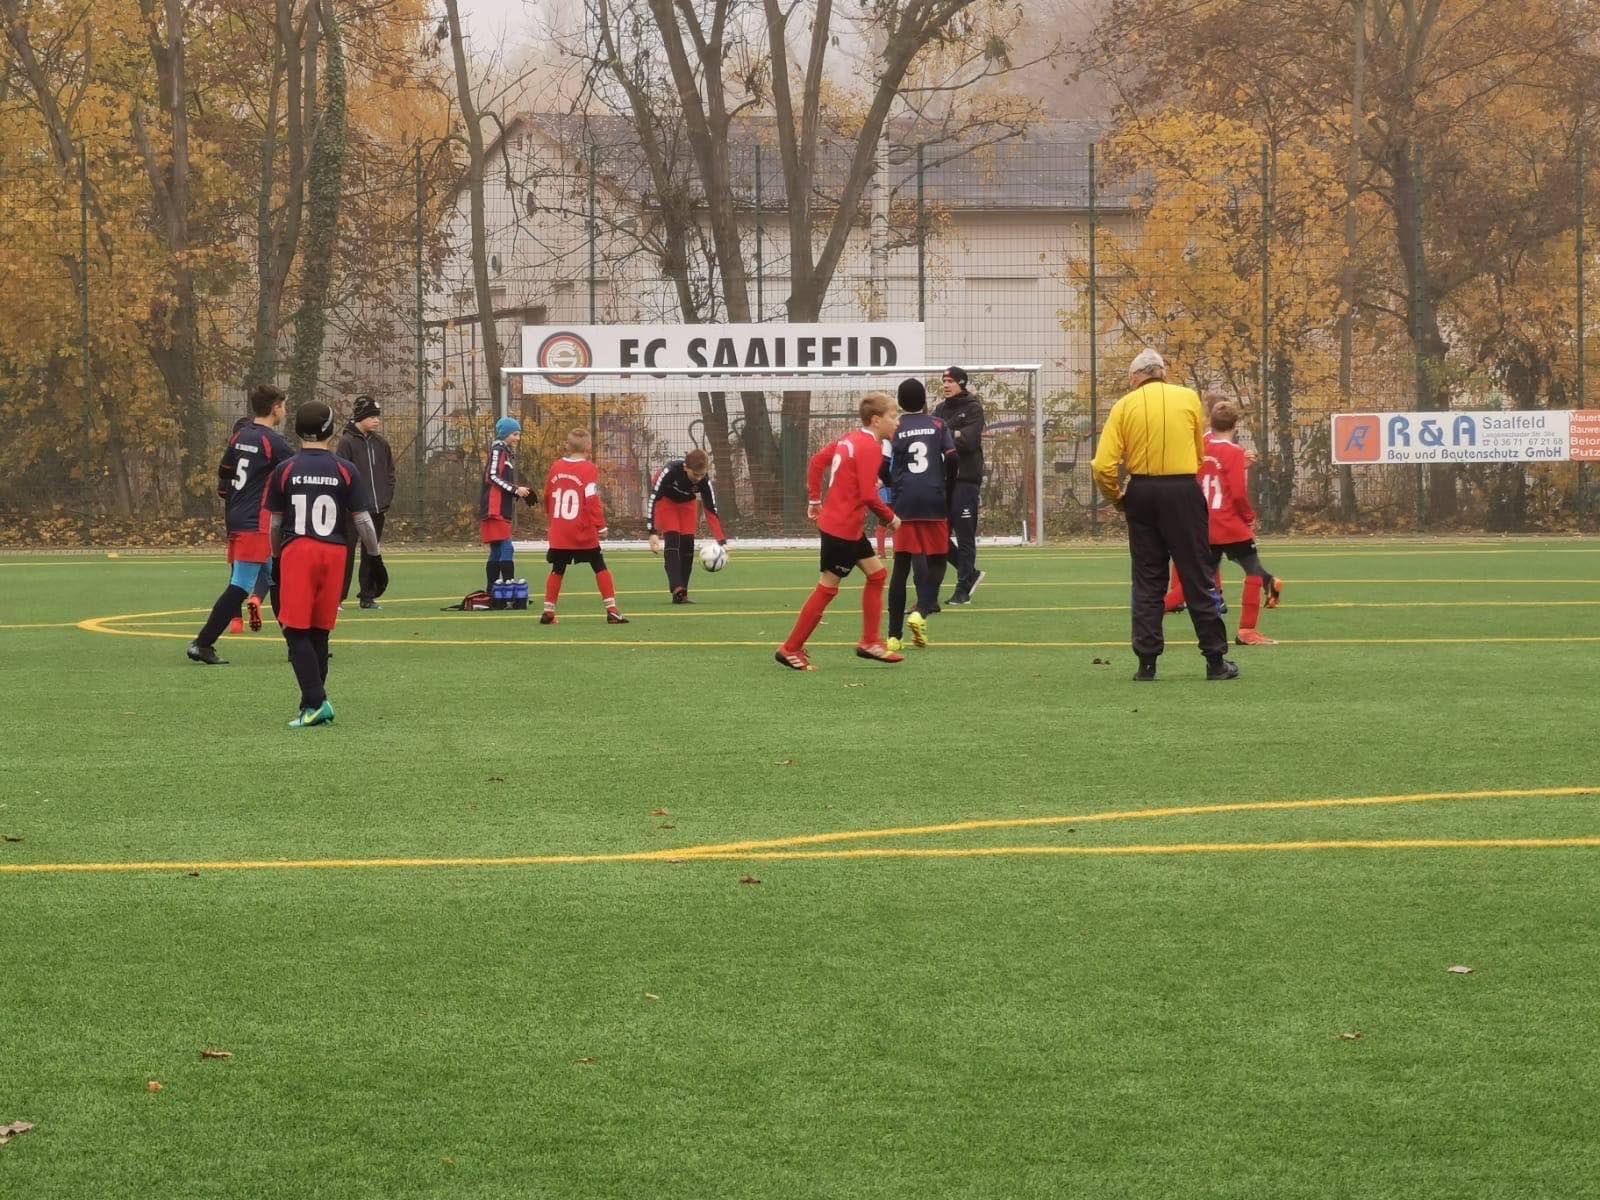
[352, 538]
[964, 535]
[1167, 521]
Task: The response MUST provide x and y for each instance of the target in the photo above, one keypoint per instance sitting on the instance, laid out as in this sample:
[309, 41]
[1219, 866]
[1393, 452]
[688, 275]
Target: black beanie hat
[913, 396]
[366, 407]
[957, 374]
[313, 421]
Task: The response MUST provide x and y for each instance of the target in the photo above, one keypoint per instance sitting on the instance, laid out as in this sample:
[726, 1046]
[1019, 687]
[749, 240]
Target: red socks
[811, 614]
[552, 592]
[1174, 599]
[1252, 602]
[608, 589]
[872, 608]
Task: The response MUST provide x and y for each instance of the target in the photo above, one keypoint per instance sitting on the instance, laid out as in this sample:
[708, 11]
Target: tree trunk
[472, 123]
[325, 192]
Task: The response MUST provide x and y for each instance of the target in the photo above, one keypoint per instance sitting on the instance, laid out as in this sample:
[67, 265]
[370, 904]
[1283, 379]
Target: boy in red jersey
[851, 465]
[577, 523]
[310, 498]
[678, 492]
[1222, 479]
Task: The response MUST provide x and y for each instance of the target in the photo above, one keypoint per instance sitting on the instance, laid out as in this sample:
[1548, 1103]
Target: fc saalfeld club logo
[564, 351]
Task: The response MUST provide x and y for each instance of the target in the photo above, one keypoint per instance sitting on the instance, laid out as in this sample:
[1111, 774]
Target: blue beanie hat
[506, 426]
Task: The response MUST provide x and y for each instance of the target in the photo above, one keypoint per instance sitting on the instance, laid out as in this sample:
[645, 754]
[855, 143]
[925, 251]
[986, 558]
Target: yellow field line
[679, 614]
[1138, 814]
[789, 847]
[1184, 848]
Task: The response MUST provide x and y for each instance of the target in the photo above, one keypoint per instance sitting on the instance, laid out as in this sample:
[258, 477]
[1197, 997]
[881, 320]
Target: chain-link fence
[1054, 248]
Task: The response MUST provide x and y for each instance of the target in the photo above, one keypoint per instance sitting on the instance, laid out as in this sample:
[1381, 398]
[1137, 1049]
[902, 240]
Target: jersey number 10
[324, 515]
[565, 503]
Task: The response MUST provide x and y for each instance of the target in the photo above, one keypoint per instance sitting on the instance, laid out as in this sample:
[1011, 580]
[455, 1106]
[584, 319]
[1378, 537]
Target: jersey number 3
[918, 453]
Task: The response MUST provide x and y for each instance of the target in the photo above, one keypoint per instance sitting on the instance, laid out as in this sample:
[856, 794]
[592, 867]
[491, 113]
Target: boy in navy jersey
[921, 473]
[497, 500]
[253, 451]
[675, 495]
[310, 498]
[851, 467]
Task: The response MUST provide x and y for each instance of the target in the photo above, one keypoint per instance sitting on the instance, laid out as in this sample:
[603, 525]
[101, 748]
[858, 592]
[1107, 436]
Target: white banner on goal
[586, 358]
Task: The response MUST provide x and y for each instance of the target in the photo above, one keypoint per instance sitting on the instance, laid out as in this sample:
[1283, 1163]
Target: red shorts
[249, 547]
[678, 516]
[495, 529]
[311, 585]
[922, 537]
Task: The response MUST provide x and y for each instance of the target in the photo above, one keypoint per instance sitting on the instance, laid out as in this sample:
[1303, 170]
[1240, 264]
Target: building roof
[1045, 168]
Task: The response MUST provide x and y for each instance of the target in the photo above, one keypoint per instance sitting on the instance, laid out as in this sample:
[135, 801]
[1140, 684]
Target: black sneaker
[206, 654]
[1221, 668]
[613, 617]
[975, 582]
[1146, 672]
[547, 618]
[370, 604]
[958, 600]
[680, 597]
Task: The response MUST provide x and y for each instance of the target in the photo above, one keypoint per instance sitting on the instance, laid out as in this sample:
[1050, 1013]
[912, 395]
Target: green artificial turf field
[700, 980]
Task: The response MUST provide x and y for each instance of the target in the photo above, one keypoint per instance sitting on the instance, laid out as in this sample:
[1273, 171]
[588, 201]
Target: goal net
[760, 429]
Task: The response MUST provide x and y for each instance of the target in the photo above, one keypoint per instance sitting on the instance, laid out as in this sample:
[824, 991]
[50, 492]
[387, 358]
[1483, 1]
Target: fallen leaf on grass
[1100, 662]
[449, 1162]
[855, 685]
[216, 1054]
[676, 862]
[15, 1129]
[584, 1062]
[651, 996]
[1353, 1036]
[659, 812]
[749, 879]
[784, 762]
[8, 838]
[153, 1086]
[194, 874]
[666, 826]
[495, 779]
[1459, 970]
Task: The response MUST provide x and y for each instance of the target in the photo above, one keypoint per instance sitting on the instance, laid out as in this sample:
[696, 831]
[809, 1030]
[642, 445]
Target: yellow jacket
[1156, 429]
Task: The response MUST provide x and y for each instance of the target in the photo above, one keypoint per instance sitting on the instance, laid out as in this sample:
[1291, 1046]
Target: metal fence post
[761, 237]
[419, 484]
[1581, 402]
[594, 289]
[1094, 348]
[922, 239]
[1037, 405]
[1266, 332]
[88, 357]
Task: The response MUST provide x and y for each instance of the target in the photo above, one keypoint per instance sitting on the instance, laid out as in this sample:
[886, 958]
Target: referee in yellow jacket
[1158, 432]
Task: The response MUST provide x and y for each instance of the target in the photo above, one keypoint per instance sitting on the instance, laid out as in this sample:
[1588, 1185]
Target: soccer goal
[760, 428]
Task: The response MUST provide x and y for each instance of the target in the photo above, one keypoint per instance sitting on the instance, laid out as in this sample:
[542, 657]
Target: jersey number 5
[324, 515]
[239, 470]
[567, 503]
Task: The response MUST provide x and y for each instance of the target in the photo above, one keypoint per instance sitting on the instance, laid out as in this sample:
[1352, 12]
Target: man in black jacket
[363, 445]
[962, 412]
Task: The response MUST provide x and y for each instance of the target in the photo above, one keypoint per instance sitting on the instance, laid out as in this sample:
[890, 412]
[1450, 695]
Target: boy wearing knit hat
[310, 498]
[363, 445]
[497, 500]
[921, 472]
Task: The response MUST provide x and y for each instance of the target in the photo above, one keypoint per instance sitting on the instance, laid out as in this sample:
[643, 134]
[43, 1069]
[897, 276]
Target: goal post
[760, 428]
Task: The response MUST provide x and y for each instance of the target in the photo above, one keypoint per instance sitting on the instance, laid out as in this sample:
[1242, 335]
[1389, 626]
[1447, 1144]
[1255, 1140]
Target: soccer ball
[713, 557]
